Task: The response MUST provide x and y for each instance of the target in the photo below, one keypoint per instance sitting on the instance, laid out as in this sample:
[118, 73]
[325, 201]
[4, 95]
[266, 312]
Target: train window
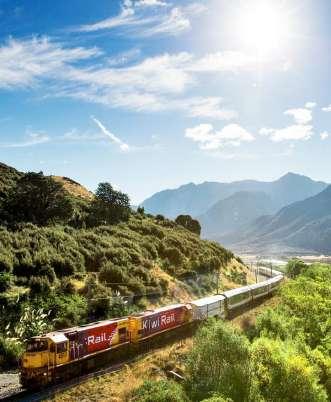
[61, 347]
[122, 331]
[37, 346]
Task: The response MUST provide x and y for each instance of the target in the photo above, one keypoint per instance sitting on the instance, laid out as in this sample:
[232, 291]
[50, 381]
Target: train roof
[275, 279]
[92, 324]
[259, 284]
[158, 310]
[207, 300]
[237, 291]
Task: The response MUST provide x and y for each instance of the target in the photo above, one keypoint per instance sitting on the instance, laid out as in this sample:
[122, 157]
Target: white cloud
[149, 3]
[75, 135]
[325, 135]
[32, 138]
[123, 146]
[22, 63]
[137, 19]
[310, 105]
[210, 139]
[327, 109]
[301, 116]
[223, 62]
[294, 132]
[159, 83]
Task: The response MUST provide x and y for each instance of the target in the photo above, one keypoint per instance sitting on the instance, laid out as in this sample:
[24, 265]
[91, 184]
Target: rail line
[51, 391]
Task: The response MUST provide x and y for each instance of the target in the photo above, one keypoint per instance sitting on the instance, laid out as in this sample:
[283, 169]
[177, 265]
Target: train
[63, 354]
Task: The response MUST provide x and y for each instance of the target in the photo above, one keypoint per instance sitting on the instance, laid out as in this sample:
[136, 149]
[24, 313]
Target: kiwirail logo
[104, 337]
[164, 320]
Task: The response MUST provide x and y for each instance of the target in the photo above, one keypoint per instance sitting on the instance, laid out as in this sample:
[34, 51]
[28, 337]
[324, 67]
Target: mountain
[304, 225]
[196, 199]
[233, 212]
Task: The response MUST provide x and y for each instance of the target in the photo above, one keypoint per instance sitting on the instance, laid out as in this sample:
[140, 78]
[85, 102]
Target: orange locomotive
[67, 353]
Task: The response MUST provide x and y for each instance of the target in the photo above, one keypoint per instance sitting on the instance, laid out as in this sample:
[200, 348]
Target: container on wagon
[152, 322]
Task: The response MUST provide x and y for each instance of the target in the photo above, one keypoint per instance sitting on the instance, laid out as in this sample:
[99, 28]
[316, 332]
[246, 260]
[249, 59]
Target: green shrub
[5, 281]
[160, 391]
[174, 256]
[283, 374]
[10, 352]
[6, 262]
[219, 363]
[295, 267]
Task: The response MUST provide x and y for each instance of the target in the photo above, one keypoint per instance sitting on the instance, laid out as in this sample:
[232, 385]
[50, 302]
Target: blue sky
[152, 94]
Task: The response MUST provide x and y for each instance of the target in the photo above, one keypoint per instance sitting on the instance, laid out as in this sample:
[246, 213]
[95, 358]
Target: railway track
[49, 392]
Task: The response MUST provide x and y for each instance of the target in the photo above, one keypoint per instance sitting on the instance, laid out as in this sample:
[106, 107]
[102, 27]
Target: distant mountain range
[244, 214]
[233, 212]
[303, 225]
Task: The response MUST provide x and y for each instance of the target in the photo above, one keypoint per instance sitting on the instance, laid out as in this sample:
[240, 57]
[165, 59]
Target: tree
[219, 363]
[38, 199]
[283, 374]
[109, 206]
[295, 267]
[189, 223]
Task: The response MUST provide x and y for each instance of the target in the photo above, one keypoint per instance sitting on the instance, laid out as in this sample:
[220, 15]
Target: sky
[153, 94]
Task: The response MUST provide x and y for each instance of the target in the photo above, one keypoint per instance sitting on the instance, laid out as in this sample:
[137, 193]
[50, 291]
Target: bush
[6, 262]
[283, 374]
[174, 256]
[10, 352]
[39, 285]
[219, 363]
[5, 281]
[112, 274]
[295, 267]
[189, 223]
[160, 391]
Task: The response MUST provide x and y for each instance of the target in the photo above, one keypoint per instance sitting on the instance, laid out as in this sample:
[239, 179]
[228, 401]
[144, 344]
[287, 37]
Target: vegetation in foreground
[68, 259]
[286, 356]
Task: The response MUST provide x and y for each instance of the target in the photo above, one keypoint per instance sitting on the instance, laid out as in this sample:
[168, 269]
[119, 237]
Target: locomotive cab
[42, 354]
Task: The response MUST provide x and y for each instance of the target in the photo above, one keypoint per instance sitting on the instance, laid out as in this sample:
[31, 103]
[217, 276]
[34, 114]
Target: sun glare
[264, 26]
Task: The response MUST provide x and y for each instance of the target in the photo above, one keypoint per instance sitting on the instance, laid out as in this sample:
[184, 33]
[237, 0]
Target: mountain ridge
[196, 199]
[302, 225]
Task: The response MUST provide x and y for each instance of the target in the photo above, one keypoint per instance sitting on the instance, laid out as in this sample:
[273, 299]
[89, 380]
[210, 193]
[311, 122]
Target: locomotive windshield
[37, 345]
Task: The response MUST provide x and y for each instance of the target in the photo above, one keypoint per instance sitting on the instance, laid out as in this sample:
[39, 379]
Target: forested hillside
[67, 258]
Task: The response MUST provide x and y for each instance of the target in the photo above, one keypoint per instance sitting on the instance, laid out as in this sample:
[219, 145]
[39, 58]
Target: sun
[263, 25]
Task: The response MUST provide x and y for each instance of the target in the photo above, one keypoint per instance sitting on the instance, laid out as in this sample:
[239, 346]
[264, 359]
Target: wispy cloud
[141, 19]
[155, 84]
[210, 139]
[32, 138]
[122, 145]
[22, 63]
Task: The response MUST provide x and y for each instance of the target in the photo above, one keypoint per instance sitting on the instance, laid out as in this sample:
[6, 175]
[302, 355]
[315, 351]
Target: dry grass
[74, 188]
[118, 387]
